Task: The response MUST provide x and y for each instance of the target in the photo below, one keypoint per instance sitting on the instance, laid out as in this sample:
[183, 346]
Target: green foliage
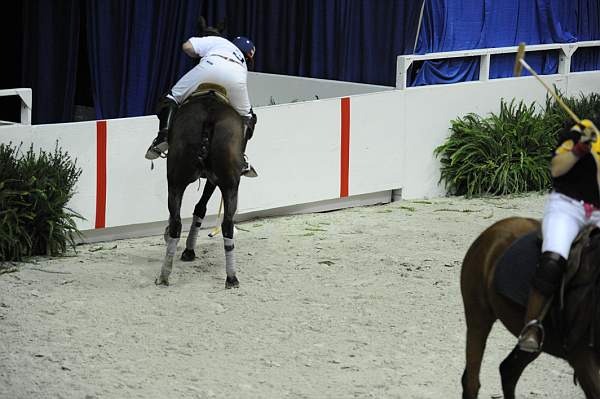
[508, 152]
[34, 191]
[500, 154]
[586, 107]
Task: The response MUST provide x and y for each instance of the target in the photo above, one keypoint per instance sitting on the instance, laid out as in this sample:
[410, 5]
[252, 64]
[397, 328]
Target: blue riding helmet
[245, 45]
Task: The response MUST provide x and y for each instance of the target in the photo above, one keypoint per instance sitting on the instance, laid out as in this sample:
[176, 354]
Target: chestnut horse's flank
[483, 306]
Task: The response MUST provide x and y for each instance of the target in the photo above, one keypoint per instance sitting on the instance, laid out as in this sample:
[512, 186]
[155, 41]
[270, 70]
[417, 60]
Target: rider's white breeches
[564, 217]
[214, 69]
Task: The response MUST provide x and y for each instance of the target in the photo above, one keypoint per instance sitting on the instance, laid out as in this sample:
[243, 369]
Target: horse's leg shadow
[511, 369]
[199, 212]
[230, 198]
[173, 231]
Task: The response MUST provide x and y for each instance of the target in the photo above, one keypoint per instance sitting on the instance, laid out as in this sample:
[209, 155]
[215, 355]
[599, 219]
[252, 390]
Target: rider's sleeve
[201, 45]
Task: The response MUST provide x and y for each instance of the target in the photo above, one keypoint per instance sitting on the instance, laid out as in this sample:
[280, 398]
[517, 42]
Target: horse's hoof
[160, 280]
[188, 255]
[232, 282]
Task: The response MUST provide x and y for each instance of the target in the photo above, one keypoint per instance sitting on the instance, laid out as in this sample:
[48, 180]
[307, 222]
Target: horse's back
[476, 281]
[205, 113]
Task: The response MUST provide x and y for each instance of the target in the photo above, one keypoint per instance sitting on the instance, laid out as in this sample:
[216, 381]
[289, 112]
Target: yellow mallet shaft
[217, 229]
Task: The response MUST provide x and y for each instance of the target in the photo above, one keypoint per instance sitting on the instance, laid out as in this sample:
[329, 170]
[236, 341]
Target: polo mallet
[217, 229]
[520, 63]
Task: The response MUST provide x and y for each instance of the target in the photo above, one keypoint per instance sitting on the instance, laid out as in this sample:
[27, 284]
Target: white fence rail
[403, 62]
[26, 103]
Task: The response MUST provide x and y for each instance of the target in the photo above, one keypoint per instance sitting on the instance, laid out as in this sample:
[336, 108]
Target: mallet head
[520, 55]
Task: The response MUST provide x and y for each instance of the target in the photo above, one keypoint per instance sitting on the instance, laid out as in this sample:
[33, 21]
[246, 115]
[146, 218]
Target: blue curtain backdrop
[49, 59]
[450, 25]
[135, 46]
[135, 52]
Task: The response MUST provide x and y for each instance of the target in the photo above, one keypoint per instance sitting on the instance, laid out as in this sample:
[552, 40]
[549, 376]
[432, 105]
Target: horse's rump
[207, 124]
[580, 316]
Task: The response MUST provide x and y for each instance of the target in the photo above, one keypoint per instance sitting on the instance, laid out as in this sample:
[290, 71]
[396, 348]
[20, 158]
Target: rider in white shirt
[222, 62]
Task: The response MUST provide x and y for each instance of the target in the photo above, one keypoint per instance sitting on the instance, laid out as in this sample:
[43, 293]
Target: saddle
[204, 89]
[574, 307]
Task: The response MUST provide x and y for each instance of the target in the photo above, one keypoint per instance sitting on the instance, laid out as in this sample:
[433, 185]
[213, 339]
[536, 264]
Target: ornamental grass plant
[508, 152]
[35, 188]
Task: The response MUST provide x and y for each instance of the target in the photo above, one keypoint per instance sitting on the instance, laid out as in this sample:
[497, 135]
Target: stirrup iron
[523, 344]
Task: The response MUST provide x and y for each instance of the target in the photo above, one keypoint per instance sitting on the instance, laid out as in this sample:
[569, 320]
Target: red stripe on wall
[345, 151]
[100, 174]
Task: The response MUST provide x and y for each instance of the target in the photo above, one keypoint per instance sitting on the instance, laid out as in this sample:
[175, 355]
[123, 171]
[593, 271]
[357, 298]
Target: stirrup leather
[532, 324]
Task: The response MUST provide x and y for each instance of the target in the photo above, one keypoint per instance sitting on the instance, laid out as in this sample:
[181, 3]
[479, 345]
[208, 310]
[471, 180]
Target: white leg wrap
[166, 269]
[190, 242]
[172, 246]
[229, 256]
[167, 265]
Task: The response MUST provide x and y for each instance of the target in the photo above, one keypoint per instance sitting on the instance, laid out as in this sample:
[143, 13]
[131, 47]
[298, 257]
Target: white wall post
[484, 67]
[26, 97]
[564, 58]
[402, 65]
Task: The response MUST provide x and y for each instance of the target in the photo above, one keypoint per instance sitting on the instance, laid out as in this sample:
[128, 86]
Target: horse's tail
[207, 131]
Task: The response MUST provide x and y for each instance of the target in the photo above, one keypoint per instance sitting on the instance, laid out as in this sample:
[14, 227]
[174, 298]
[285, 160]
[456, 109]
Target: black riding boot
[165, 111]
[249, 123]
[545, 284]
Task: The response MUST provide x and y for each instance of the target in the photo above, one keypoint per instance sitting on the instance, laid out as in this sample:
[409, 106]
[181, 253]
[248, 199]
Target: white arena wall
[298, 149]
[271, 89]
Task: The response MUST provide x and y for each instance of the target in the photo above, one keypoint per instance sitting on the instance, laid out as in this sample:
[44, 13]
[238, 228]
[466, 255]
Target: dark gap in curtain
[84, 98]
[49, 64]
[12, 35]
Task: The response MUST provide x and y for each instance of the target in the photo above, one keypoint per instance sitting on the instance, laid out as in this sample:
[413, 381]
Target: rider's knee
[548, 275]
[164, 103]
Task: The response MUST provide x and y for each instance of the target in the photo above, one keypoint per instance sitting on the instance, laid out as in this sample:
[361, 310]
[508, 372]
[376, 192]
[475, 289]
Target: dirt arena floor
[358, 303]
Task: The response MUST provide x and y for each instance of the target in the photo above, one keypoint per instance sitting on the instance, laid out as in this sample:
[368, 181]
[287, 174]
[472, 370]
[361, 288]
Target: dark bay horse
[205, 140]
[483, 306]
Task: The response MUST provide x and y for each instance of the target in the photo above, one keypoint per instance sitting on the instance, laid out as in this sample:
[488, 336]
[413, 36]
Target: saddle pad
[516, 267]
[208, 88]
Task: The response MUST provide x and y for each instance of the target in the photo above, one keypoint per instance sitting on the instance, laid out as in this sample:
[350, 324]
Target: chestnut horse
[483, 306]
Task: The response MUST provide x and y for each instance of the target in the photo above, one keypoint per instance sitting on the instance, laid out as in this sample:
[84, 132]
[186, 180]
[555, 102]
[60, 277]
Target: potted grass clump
[508, 152]
[35, 188]
[502, 153]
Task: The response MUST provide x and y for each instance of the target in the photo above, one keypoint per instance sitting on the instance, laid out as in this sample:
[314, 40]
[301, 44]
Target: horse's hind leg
[199, 213]
[172, 232]
[479, 325]
[511, 369]
[230, 198]
[585, 364]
